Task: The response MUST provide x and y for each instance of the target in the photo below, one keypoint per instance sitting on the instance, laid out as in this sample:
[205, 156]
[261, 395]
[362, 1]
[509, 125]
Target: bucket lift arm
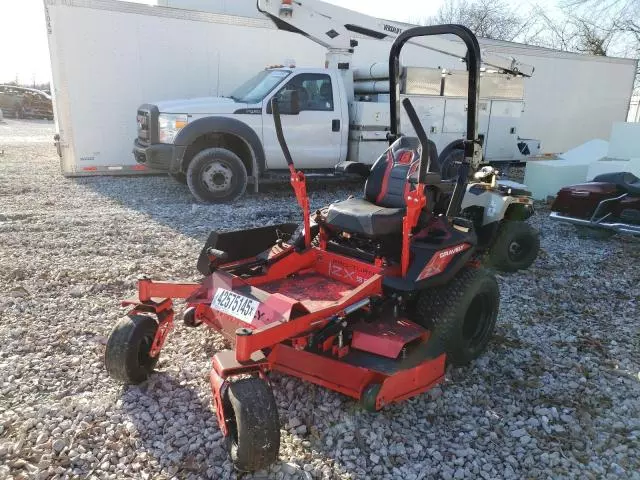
[334, 27]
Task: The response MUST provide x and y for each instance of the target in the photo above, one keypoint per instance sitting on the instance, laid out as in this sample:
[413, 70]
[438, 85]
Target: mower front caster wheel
[127, 357]
[369, 396]
[254, 425]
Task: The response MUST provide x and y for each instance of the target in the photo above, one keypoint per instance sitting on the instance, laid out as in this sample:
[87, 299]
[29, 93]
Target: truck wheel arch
[220, 127]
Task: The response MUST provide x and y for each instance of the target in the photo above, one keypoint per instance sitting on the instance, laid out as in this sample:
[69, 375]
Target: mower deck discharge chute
[390, 293]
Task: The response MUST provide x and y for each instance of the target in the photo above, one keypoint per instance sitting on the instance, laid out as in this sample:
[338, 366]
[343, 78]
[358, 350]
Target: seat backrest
[388, 181]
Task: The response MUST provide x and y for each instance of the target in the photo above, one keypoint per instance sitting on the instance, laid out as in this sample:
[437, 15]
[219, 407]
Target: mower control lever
[278, 124]
[298, 181]
[422, 136]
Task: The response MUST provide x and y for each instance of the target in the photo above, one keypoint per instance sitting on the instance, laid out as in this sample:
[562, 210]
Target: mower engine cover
[438, 252]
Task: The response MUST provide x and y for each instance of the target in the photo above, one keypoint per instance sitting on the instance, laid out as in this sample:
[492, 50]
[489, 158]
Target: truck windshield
[255, 89]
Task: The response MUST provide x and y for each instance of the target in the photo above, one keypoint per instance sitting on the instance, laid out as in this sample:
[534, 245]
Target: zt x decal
[348, 272]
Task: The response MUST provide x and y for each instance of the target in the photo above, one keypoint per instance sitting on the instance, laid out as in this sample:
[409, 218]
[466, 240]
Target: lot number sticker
[236, 305]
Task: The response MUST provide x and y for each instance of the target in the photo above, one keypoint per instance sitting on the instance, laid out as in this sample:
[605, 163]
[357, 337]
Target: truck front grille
[143, 125]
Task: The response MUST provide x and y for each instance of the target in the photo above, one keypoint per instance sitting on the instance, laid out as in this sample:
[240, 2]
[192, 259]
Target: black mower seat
[382, 209]
[625, 181]
[358, 215]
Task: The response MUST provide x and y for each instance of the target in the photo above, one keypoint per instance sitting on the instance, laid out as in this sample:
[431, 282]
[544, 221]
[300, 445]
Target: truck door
[314, 135]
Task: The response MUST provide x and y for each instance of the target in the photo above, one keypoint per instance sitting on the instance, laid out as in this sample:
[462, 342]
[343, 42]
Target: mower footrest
[387, 338]
[153, 301]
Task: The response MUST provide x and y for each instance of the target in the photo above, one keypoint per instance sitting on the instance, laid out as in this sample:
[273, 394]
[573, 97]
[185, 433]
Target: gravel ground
[556, 396]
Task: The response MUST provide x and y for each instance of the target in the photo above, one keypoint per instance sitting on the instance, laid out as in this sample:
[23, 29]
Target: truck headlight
[169, 124]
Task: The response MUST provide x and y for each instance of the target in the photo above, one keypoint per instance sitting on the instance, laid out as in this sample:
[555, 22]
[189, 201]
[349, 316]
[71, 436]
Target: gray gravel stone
[58, 445]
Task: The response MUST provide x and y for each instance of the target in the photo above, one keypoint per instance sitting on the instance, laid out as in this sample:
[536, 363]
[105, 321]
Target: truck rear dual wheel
[254, 424]
[217, 175]
[127, 357]
[515, 248]
[461, 315]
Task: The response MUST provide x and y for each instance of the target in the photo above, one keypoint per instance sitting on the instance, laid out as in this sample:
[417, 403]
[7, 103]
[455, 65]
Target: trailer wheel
[254, 425]
[461, 315]
[179, 177]
[217, 175]
[515, 248]
[127, 357]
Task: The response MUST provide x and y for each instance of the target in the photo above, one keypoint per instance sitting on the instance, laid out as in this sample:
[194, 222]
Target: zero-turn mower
[391, 293]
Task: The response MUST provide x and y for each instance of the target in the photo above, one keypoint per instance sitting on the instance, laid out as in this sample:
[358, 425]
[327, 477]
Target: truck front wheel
[217, 175]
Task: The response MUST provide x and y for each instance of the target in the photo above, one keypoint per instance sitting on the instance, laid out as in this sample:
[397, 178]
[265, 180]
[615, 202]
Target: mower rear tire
[127, 357]
[461, 315]
[217, 175]
[515, 248]
[254, 427]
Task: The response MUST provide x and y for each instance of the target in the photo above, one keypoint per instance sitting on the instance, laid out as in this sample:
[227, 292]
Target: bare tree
[551, 32]
[592, 40]
[595, 27]
[570, 33]
[623, 18]
[486, 18]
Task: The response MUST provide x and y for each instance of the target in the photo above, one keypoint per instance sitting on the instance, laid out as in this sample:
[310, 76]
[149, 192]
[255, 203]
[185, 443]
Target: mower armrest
[348, 168]
[430, 178]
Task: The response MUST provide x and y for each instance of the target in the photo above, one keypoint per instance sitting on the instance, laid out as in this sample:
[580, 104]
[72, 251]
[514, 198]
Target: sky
[24, 51]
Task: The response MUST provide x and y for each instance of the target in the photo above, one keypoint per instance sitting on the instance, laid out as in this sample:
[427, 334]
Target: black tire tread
[447, 169]
[498, 254]
[438, 309]
[121, 354]
[257, 424]
[202, 157]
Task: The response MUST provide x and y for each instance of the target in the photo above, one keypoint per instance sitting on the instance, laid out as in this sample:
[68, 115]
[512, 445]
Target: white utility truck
[331, 115]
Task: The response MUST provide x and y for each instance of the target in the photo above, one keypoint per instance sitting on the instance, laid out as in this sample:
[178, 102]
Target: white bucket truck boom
[331, 114]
